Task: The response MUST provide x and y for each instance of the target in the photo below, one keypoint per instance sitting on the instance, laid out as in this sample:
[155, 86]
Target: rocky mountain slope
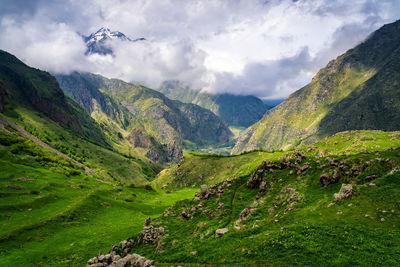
[144, 117]
[358, 90]
[235, 110]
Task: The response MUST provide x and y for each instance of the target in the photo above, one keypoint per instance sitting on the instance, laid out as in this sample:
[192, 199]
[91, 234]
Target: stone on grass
[221, 231]
[345, 191]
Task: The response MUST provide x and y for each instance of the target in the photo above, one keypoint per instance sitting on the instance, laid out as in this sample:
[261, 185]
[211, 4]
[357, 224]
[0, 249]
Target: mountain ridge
[334, 99]
[144, 117]
[235, 110]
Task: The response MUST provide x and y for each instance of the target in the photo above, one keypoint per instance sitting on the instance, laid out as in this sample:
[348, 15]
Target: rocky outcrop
[115, 260]
[150, 234]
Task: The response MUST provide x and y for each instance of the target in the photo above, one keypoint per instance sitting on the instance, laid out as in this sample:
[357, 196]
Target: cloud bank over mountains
[265, 48]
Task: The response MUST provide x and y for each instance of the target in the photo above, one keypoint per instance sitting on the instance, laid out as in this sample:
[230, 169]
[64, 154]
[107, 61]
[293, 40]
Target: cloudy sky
[267, 48]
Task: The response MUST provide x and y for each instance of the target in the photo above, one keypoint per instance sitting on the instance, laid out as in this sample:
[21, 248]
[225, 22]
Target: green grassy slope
[53, 214]
[296, 220]
[130, 170]
[21, 85]
[358, 90]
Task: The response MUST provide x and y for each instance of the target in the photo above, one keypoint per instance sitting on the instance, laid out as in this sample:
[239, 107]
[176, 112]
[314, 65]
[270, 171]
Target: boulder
[326, 179]
[204, 189]
[262, 187]
[345, 191]
[185, 215]
[371, 177]
[304, 167]
[150, 234]
[204, 192]
[220, 232]
[245, 213]
[129, 260]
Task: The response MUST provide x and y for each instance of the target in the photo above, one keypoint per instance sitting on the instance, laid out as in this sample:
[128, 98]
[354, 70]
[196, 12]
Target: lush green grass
[196, 169]
[63, 216]
[361, 230]
[135, 169]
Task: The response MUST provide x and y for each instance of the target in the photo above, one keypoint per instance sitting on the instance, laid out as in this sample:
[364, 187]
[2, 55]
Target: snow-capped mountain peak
[97, 42]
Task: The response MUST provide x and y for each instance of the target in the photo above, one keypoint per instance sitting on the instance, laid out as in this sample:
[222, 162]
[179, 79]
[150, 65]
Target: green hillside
[143, 117]
[54, 214]
[279, 208]
[358, 90]
[21, 85]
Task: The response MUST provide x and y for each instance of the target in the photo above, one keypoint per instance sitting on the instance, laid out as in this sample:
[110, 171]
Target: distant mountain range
[358, 90]
[235, 110]
[99, 42]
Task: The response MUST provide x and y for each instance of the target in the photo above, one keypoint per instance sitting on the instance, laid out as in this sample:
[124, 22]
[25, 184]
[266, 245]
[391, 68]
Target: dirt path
[27, 135]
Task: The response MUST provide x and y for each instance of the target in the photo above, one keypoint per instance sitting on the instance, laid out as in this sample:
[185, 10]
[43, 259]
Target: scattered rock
[16, 187]
[114, 260]
[220, 232]
[186, 215]
[299, 155]
[326, 179]
[204, 192]
[262, 187]
[371, 177]
[331, 204]
[345, 191]
[203, 189]
[147, 221]
[305, 167]
[150, 234]
[245, 213]
[26, 180]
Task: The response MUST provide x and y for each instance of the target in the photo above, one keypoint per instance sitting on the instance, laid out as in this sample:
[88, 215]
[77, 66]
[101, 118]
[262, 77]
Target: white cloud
[265, 48]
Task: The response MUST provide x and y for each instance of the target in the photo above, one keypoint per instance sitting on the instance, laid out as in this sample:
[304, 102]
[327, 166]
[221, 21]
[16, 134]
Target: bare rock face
[345, 191]
[139, 139]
